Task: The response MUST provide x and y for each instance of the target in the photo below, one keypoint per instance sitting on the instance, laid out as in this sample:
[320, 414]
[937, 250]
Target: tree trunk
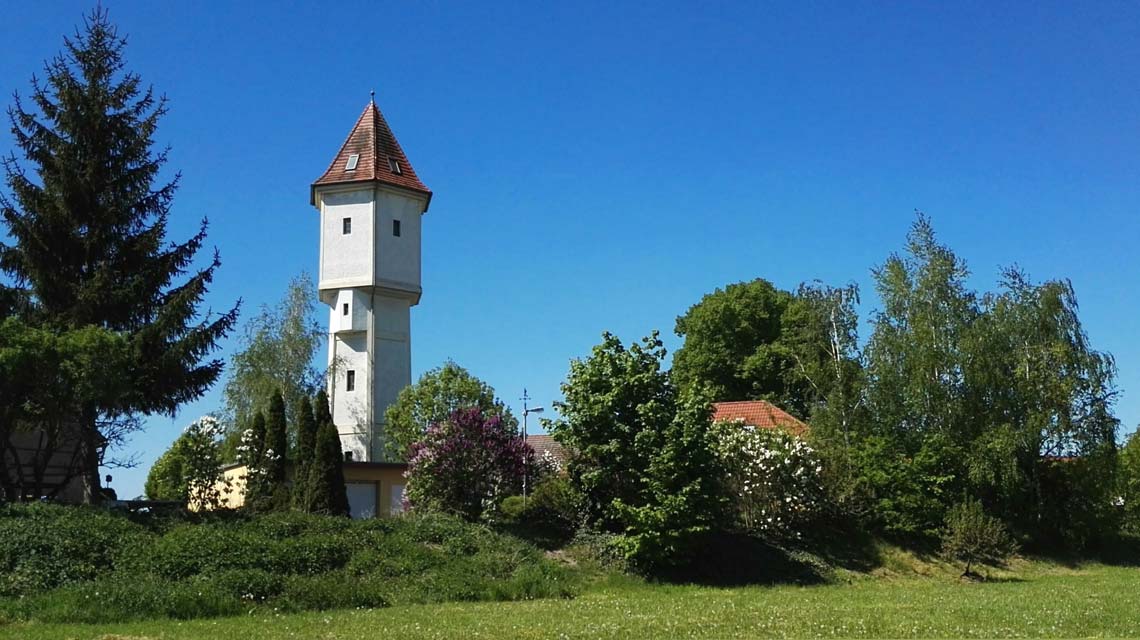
[89, 461]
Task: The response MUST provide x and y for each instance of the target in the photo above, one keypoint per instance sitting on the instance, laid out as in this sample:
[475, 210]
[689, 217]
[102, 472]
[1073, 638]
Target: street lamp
[526, 412]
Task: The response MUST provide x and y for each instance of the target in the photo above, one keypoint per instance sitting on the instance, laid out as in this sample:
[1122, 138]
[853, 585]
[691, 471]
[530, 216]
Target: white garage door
[361, 499]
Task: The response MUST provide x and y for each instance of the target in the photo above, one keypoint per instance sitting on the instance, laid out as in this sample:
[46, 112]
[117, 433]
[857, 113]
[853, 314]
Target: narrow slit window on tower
[394, 165]
[350, 381]
[352, 160]
[344, 309]
[346, 226]
[396, 228]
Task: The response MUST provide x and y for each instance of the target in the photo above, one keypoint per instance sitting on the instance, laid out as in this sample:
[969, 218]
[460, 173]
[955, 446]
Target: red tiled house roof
[371, 139]
[543, 444]
[759, 414]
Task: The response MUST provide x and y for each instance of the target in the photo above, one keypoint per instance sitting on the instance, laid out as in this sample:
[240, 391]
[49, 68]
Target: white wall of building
[398, 258]
[355, 302]
[350, 408]
[346, 259]
[375, 275]
[392, 353]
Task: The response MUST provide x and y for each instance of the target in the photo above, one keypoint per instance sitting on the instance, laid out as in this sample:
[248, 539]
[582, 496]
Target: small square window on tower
[344, 309]
[394, 165]
[396, 228]
[348, 456]
[346, 226]
[352, 161]
[350, 381]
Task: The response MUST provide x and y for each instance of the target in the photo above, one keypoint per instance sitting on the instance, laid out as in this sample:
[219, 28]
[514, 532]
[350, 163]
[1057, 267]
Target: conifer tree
[253, 456]
[326, 475]
[276, 439]
[306, 441]
[87, 218]
[276, 446]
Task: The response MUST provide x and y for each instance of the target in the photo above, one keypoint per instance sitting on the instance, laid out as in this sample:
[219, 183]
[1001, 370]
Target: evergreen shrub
[47, 546]
[65, 564]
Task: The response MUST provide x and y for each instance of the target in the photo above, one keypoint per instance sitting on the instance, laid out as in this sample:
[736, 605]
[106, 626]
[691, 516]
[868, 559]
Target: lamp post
[526, 412]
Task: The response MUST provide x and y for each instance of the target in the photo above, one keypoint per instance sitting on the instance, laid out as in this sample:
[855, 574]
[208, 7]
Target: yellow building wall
[232, 487]
[384, 476]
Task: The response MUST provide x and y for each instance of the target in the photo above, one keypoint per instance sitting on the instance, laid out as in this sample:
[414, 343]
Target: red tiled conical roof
[376, 147]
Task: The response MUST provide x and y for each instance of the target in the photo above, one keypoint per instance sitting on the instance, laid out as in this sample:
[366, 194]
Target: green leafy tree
[306, 446]
[616, 402]
[1129, 492]
[431, 400]
[46, 377]
[326, 474]
[206, 486]
[915, 354]
[999, 396]
[166, 479]
[1043, 394]
[917, 387]
[88, 224]
[733, 345]
[821, 331]
[971, 536]
[685, 491]
[276, 356]
[190, 470]
[643, 459]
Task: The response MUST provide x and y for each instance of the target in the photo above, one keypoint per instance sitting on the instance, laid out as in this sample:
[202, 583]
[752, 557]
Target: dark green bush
[46, 546]
[549, 517]
[512, 508]
[97, 567]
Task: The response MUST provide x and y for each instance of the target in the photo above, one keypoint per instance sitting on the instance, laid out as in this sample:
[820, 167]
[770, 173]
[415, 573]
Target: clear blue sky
[602, 166]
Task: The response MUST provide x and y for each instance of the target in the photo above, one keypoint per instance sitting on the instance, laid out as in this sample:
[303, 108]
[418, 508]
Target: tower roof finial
[372, 96]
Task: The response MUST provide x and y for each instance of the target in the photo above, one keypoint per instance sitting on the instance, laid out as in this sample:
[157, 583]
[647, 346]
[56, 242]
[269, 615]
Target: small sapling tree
[972, 536]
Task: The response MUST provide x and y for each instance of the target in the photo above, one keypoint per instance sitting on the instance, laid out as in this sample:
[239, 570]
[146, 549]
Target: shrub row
[65, 564]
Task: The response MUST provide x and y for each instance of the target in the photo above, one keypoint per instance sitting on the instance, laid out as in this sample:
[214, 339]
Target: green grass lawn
[1035, 601]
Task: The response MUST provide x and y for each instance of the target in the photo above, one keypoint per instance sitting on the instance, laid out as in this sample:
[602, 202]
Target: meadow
[1031, 599]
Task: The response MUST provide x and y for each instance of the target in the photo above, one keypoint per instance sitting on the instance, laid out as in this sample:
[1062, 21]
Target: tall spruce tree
[326, 475]
[88, 216]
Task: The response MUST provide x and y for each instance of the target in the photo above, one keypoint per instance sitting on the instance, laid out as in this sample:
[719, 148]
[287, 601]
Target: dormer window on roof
[361, 159]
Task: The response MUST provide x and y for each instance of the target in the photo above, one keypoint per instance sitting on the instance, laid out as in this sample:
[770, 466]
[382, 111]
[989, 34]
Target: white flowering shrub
[548, 465]
[258, 463]
[202, 463]
[775, 478]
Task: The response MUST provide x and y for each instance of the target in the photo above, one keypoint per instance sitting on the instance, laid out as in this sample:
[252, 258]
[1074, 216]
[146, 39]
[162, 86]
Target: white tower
[370, 202]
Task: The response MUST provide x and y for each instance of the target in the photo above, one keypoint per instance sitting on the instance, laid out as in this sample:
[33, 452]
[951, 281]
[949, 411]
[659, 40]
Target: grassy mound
[66, 564]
